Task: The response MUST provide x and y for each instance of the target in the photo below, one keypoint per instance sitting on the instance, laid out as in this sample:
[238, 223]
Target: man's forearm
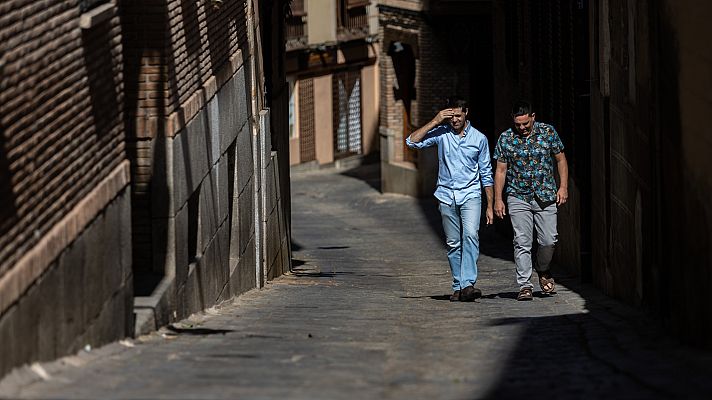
[420, 133]
[563, 169]
[490, 196]
[499, 178]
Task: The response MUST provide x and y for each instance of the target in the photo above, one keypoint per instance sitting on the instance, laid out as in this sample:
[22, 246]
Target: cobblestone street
[365, 314]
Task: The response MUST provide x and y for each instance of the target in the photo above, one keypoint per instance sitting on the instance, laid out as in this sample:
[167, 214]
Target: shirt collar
[465, 130]
[535, 131]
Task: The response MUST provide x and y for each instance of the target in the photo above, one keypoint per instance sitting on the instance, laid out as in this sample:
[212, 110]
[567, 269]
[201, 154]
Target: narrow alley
[365, 314]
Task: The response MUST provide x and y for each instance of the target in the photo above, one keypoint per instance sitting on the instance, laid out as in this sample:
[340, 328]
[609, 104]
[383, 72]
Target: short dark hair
[520, 108]
[456, 102]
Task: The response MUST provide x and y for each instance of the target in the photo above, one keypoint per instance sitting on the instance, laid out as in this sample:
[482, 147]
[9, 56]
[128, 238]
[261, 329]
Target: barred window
[352, 13]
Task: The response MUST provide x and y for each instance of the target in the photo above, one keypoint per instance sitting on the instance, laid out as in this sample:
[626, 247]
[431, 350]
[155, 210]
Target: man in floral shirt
[525, 156]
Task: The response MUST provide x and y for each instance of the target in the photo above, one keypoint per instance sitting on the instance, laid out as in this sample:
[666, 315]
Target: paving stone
[364, 314]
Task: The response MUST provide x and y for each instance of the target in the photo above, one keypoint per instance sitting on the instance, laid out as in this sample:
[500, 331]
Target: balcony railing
[296, 27]
[296, 32]
[352, 21]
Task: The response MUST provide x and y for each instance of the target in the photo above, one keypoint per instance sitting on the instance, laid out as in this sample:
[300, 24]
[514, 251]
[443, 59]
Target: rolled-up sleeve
[430, 139]
[499, 153]
[485, 163]
[557, 146]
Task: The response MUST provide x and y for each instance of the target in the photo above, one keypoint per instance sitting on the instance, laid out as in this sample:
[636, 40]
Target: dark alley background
[218, 195]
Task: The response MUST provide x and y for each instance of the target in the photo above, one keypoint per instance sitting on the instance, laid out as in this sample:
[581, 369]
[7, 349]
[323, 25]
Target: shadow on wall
[191, 33]
[144, 151]
[219, 30]
[403, 59]
[218, 35]
[8, 208]
[99, 62]
[684, 213]
[8, 200]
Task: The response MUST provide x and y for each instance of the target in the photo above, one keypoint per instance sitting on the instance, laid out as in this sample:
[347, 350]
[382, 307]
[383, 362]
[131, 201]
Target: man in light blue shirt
[464, 169]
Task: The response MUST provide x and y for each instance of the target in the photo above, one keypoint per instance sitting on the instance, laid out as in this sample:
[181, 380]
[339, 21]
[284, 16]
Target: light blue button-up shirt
[464, 162]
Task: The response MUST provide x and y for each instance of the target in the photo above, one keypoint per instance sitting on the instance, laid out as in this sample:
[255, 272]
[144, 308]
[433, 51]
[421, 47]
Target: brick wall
[404, 170]
[394, 26]
[203, 40]
[188, 43]
[146, 77]
[65, 276]
[60, 124]
[439, 74]
[173, 49]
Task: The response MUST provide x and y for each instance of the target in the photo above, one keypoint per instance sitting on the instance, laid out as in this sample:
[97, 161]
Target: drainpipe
[256, 141]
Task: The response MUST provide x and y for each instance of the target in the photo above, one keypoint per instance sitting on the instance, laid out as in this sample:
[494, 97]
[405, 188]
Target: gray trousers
[525, 217]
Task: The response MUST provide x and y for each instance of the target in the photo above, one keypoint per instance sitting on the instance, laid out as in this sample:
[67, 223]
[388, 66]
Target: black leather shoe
[470, 294]
[455, 296]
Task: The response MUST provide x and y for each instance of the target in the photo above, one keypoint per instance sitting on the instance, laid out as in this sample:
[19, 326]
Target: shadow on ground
[606, 350]
[196, 331]
[598, 354]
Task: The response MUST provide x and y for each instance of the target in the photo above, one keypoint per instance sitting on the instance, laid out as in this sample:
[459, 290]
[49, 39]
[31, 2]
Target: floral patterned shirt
[530, 162]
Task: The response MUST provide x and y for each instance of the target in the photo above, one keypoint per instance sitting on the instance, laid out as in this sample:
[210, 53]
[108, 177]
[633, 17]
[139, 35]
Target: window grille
[352, 19]
[347, 113]
[307, 147]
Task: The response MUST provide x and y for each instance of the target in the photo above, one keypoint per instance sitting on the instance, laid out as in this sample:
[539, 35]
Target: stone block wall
[204, 203]
[83, 298]
[651, 222]
[65, 268]
[175, 54]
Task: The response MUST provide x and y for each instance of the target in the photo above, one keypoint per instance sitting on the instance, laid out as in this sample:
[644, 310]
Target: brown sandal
[546, 282]
[525, 294]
